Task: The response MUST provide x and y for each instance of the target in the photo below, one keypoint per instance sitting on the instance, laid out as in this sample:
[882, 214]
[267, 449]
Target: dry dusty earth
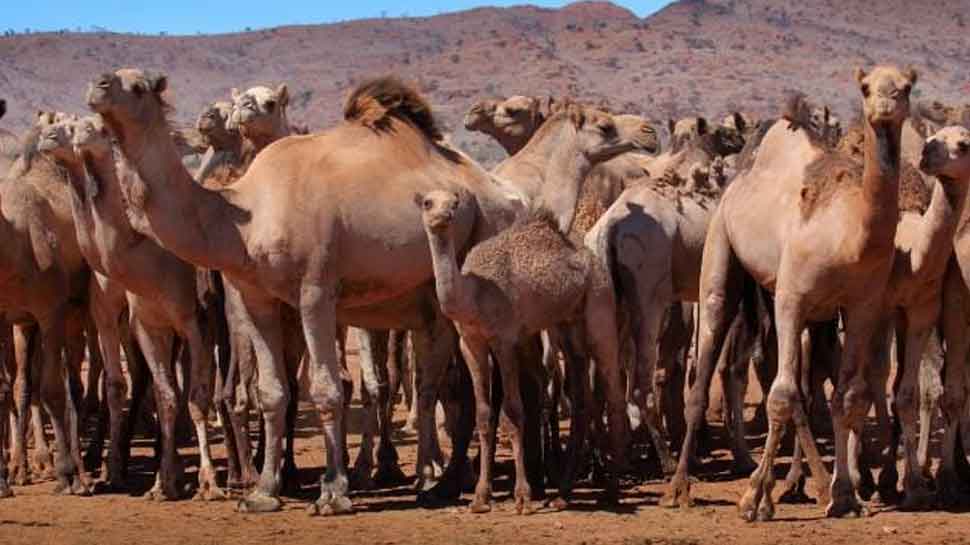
[36, 517]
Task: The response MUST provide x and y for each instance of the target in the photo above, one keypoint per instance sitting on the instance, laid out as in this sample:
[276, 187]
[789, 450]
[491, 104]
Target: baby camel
[526, 279]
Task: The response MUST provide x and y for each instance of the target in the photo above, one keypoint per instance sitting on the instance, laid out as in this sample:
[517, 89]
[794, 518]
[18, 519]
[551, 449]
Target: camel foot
[340, 505]
[749, 505]
[793, 492]
[480, 506]
[81, 486]
[523, 506]
[678, 495]
[19, 475]
[867, 485]
[918, 498]
[208, 489]
[390, 475]
[446, 491]
[258, 502]
[559, 504]
[845, 505]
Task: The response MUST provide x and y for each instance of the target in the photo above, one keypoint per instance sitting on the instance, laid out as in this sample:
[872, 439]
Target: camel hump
[374, 102]
[823, 178]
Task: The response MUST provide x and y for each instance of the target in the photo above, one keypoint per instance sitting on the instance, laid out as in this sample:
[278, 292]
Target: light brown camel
[46, 278]
[224, 151]
[828, 249]
[275, 255]
[161, 293]
[924, 245]
[947, 157]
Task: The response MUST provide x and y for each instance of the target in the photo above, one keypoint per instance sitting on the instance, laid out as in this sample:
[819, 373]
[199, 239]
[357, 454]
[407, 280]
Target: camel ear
[157, 82]
[701, 125]
[911, 74]
[418, 200]
[235, 94]
[282, 95]
[671, 125]
[860, 74]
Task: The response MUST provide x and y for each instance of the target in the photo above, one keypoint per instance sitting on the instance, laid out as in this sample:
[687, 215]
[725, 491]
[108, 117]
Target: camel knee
[273, 400]
[781, 401]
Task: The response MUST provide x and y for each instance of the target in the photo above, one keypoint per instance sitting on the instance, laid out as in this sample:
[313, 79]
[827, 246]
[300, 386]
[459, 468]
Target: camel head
[481, 115]
[602, 136]
[685, 130]
[946, 154]
[91, 137]
[518, 116]
[129, 96]
[55, 137]
[438, 209]
[260, 110]
[885, 94]
[213, 123]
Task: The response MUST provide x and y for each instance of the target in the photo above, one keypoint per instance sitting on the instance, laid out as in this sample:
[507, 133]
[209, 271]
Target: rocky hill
[695, 56]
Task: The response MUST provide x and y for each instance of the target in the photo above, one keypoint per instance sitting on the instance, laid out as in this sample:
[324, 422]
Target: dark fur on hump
[374, 102]
[844, 166]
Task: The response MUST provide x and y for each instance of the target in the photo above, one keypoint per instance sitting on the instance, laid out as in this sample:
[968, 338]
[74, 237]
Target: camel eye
[427, 204]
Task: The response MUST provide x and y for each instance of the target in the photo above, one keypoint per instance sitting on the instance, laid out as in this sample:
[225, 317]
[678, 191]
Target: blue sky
[213, 16]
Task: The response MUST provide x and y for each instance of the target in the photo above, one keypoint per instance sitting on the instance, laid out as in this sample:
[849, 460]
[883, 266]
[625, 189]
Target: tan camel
[828, 249]
[530, 278]
[224, 153]
[274, 255]
[947, 157]
[161, 292]
[46, 278]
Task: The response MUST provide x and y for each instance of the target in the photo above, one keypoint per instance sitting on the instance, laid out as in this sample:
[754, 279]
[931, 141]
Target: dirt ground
[389, 517]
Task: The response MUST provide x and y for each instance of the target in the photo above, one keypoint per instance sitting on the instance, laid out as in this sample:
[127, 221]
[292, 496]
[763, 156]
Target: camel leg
[646, 332]
[952, 486]
[886, 452]
[410, 384]
[434, 349]
[318, 308]
[6, 403]
[109, 340]
[55, 398]
[720, 296]
[73, 356]
[388, 471]
[262, 323]
[33, 355]
[577, 381]
[201, 372]
[930, 392]
[506, 357]
[850, 405]
[25, 366]
[734, 381]
[674, 344]
[601, 330]
[237, 383]
[551, 347]
[476, 354]
[916, 328]
[156, 345]
[373, 353]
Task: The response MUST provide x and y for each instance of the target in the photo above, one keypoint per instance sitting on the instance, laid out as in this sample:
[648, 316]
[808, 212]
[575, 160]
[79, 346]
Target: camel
[46, 283]
[828, 249]
[947, 157]
[160, 292]
[224, 143]
[259, 114]
[276, 257]
[488, 302]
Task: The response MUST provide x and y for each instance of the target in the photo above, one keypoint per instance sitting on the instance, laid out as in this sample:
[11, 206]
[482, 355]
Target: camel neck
[511, 144]
[941, 220]
[559, 168]
[102, 204]
[449, 283]
[880, 175]
[196, 224]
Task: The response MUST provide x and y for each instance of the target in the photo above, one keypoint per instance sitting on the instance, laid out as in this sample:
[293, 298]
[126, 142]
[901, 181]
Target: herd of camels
[224, 277]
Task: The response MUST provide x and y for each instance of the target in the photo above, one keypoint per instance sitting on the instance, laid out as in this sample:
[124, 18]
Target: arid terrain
[387, 517]
[693, 57]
